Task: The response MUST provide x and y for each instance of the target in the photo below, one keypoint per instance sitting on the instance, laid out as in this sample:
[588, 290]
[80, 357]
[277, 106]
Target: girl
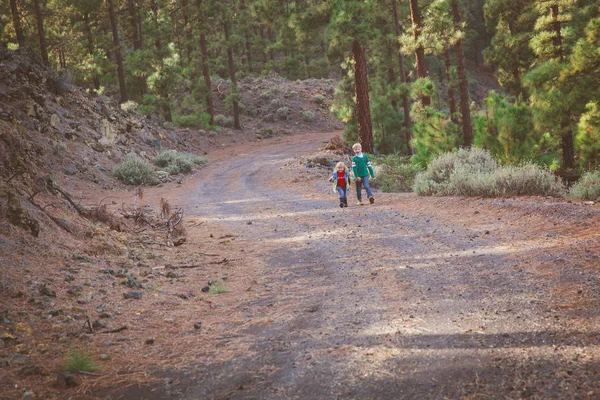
[341, 182]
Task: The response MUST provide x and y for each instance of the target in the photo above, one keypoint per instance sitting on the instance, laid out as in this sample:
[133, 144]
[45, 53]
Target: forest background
[403, 67]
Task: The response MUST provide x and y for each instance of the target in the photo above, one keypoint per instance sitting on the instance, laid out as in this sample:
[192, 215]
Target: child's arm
[370, 168]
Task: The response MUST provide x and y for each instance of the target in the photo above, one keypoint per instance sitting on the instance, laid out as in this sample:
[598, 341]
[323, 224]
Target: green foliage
[587, 140]
[196, 120]
[475, 172]
[79, 361]
[319, 98]
[282, 113]
[175, 163]
[308, 116]
[394, 173]
[587, 187]
[134, 171]
[506, 130]
[223, 120]
[434, 135]
[388, 127]
[129, 106]
[148, 105]
[218, 287]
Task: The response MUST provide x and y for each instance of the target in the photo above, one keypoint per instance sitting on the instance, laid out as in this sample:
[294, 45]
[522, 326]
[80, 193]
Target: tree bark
[16, 16]
[117, 50]
[42, 35]
[405, 104]
[236, 107]
[206, 74]
[415, 17]
[566, 139]
[463, 85]
[90, 45]
[361, 88]
[205, 64]
[449, 88]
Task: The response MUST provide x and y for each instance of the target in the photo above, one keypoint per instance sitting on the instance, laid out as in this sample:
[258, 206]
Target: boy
[361, 166]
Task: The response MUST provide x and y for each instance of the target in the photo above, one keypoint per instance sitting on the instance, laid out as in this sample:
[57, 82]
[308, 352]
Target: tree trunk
[206, 74]
[90, 46]
[415, 17]
[17, 22]
[133, 21]
[566, 139]
[405, 104]
[361, 88]
[463, 86]
[133, 9]
[236, 107]
[117, 50]
[450, 89]
[188, 30]
[42, 35]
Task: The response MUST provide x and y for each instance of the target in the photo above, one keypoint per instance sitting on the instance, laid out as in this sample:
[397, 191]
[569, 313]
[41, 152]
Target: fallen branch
[89, 373]
[114, 330]
[223, 261]
[150, 243]
[182, 266]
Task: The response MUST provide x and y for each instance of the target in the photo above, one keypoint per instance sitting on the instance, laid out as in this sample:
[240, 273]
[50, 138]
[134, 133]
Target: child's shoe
[371, 199]
[359, 203]
[345, 201]
[341, 203]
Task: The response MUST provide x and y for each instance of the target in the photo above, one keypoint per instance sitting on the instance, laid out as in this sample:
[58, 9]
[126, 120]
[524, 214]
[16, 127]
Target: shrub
[319, 98]
[475, 172]
[218, 287]
[175, 163]
[224, 121]
[282, 113]
[308, 116]
[134, 171]
[79, 361]
[196, 120]
[587, 187]
[276, 103]
[129, 106]
[394, 173]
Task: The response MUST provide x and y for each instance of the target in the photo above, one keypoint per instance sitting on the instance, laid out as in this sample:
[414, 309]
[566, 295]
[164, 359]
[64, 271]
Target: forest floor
[410, 297]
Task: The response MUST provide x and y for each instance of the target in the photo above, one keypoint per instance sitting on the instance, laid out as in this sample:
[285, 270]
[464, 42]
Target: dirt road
[412, 297]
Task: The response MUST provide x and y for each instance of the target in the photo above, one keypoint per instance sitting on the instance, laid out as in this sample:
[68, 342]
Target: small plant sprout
[80, 361]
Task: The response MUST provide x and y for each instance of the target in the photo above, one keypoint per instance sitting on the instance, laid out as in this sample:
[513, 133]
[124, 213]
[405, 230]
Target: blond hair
[356, 145]
[340, 164]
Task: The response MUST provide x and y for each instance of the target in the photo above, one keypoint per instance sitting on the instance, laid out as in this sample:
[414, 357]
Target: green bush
[282, 113]
[319, 98]
[79, 361]
[196, 120]
[175, 163]
[475, 172]
[308, 116]
[394, 173]
[587, 187]
[224, 121]
[135, 171]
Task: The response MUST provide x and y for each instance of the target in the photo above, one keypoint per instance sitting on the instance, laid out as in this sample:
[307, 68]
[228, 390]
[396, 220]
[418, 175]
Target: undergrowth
[79, 361]
[587, 187]
[175, 163]
[474, 172]
[135, 171]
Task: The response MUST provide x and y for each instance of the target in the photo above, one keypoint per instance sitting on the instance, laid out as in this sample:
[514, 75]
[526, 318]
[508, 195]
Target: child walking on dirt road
[361, 166]
[341, 182]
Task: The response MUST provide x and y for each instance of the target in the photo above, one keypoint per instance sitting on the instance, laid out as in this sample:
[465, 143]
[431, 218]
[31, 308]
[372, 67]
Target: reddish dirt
[412, 297]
